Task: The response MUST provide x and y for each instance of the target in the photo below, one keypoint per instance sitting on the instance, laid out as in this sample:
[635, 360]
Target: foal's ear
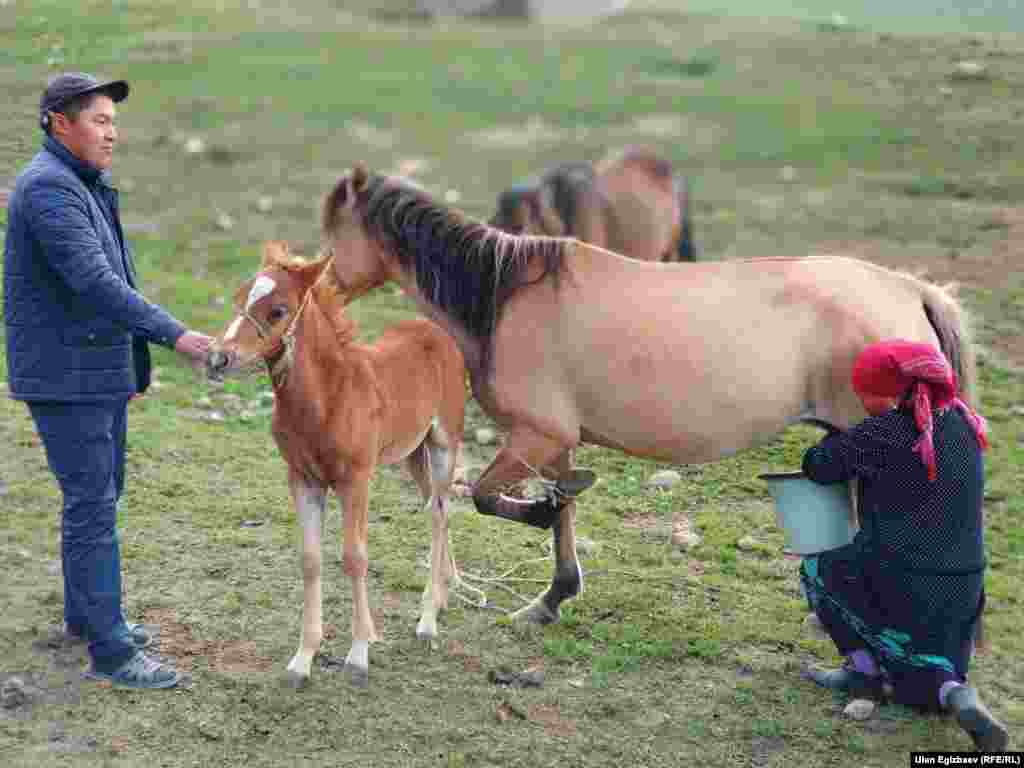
[356, 184]
[274, 252]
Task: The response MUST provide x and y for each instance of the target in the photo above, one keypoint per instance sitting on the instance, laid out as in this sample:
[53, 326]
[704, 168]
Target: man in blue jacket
[77, 350]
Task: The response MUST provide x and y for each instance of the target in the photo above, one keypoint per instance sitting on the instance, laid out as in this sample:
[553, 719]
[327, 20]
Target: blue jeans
[85, 448]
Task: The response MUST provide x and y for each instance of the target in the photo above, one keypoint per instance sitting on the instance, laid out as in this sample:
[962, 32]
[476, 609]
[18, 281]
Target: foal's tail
[951, 324]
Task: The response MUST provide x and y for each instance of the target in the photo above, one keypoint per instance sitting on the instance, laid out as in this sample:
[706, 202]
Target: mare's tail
[950, 322]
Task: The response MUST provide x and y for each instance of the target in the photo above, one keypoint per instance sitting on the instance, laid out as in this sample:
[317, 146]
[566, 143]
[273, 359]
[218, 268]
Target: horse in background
[630, 202]
[341, 409]
[568, 343]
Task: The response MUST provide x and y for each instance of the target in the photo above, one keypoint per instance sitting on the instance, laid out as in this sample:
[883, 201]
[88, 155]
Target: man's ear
[59, 123]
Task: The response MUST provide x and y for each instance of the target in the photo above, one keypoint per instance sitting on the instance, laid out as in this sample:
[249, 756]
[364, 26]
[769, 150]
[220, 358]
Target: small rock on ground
[14, 693]
[970, 70]
[531, 678]
[686, 540]
[813, 625]
[586, 547]
[651, 720]
[665, 478]
[683, 535]
[859, 709]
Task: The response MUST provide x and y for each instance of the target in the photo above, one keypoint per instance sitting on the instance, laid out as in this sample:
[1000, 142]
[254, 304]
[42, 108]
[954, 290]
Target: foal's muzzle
[217, 362]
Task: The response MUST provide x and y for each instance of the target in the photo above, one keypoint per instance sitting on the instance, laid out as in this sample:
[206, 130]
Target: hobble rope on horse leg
[458, 583]
[501, 581]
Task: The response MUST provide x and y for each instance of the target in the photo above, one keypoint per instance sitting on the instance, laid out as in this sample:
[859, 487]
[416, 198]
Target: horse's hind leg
[568, 577]
[308, 500]
[443, 452]
[435, 593]
[524, 451]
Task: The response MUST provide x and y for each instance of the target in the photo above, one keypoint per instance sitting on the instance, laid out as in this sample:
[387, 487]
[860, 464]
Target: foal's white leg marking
[359, 656]
[263, 286]
[309, 505]
[434, 597]
[233, 329]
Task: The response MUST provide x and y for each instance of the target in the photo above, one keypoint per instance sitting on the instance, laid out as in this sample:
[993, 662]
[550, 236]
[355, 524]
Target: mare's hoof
[360, 677]
[574, 482]
[536, 612]
[296, 680]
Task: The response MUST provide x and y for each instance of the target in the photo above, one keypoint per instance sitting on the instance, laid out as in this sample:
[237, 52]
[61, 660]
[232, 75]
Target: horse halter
[282, 365]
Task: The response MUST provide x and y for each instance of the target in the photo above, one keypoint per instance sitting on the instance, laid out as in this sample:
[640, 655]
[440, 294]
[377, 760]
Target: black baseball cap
[63, 88]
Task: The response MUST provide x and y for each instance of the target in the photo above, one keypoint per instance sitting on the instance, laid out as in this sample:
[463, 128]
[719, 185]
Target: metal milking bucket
[814, 517]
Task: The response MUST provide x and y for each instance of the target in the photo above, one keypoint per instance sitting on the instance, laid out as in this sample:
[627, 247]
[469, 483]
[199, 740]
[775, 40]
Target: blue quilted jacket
[77, 328]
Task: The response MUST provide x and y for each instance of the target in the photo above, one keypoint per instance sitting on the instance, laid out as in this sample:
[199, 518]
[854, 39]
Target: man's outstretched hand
[193, 346]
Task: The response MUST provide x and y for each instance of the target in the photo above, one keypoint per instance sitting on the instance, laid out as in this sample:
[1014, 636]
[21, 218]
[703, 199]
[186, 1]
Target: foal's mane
[463, 267]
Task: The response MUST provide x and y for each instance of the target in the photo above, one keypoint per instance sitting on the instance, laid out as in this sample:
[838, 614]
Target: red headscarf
[891, 368]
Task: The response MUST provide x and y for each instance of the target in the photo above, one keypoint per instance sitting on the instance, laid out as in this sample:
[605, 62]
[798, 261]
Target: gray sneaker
[140, 671]
[140, 636]
[988, 734]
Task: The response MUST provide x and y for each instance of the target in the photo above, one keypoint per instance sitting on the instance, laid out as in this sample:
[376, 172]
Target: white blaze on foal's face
[263, 286]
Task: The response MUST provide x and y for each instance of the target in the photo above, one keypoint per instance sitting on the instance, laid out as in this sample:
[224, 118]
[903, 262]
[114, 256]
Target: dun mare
[341, 409]
[568, 343]
[629, 203]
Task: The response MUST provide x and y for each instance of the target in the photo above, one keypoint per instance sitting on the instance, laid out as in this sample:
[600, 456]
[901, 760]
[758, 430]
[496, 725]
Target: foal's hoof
[574, 482]
[536, 612]
[359, 676]
[296, 680]
[428, 640]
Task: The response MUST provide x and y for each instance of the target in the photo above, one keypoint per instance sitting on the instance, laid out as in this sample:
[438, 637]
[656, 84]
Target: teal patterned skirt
[919, 625]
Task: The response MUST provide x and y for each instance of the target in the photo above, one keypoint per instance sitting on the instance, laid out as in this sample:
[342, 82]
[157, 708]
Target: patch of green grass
[856, 744]
[824, 729]
[704, 648]
[728, 560]
[569, 648]
[768, 728]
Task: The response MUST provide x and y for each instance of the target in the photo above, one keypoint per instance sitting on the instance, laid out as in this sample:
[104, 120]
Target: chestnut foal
[341, 409]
